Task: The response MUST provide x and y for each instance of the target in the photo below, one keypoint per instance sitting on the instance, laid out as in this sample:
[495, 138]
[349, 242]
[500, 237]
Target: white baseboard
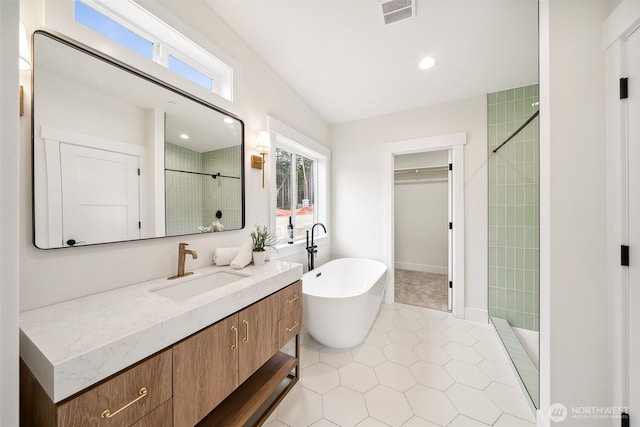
[421, 267]
[476, 315]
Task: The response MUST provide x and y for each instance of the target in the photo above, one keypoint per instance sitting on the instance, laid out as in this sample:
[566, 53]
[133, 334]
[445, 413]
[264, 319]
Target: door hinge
[624, 420]
[624, 255]
[140, 224]
[450, 166]
[624, 87]
[450, 284]
[450, 226]
[138, 171]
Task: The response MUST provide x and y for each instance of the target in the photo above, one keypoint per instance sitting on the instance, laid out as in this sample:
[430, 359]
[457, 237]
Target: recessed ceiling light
[427, 63]
[184, 136]
[228, 120]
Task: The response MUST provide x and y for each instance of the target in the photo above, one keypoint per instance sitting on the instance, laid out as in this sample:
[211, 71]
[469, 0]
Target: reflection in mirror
[119, 156]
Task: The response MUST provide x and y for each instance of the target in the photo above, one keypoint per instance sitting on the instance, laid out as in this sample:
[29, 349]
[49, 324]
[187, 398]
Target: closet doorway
[422, 232]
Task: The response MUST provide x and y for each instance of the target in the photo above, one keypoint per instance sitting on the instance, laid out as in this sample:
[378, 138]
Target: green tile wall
[514, 208]
[192, 200]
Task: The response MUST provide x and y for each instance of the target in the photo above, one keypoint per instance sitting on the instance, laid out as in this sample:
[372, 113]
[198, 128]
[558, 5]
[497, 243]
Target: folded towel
[224, 256]
[244, 255]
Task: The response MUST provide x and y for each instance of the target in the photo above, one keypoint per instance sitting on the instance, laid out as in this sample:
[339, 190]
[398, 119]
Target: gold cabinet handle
[107, 414]
[295, 325]
[289, 301]
[235, 344]
[246, 331]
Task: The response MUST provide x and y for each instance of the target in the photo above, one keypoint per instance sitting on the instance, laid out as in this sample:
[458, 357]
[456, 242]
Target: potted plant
[262, 239]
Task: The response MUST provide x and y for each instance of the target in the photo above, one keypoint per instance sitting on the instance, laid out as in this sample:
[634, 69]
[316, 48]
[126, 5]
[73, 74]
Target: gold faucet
[182, 255]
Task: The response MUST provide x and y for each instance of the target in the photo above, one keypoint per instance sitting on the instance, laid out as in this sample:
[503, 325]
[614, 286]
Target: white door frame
[455, 143]
[616, 28]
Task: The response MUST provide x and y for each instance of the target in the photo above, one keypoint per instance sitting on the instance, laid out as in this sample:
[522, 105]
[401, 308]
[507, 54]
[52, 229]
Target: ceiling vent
[397, 10]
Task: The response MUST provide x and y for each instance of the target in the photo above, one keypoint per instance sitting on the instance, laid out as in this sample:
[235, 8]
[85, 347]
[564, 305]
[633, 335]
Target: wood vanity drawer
[125, 398]
[291, 298]
[289, 326]
[162, 416]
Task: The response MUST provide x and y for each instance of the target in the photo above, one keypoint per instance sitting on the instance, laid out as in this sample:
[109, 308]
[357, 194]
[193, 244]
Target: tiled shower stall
[514, 295]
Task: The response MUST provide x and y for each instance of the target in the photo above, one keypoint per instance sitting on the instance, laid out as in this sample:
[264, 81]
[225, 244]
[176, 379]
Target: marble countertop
[72, 345]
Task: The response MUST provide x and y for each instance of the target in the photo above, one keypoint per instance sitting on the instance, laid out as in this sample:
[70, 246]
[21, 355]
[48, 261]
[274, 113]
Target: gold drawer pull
[246, 331]
[235, 344]
[107, 414]
[292, 300]
[295, 325]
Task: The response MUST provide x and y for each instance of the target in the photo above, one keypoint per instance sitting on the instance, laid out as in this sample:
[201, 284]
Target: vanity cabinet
[124, 399]
[229, 374]
[211, 364]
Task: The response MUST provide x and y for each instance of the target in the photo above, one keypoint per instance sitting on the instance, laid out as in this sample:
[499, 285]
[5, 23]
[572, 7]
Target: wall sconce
[24, 62]
[263, 145]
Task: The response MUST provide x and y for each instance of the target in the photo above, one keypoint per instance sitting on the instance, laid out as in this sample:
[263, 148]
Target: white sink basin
[199, 285]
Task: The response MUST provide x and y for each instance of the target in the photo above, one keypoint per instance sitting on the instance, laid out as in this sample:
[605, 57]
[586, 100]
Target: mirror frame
[149, 78]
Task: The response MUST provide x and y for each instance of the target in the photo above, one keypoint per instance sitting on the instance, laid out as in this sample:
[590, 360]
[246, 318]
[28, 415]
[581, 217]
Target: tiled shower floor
[417, 367]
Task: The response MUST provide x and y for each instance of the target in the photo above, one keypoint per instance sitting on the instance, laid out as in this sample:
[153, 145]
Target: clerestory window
[133, 27]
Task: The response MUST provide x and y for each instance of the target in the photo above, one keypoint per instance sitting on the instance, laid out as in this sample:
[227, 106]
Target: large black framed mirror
[119, 155]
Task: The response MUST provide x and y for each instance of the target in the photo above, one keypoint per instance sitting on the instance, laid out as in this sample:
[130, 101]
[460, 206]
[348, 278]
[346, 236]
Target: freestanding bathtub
[341, 300]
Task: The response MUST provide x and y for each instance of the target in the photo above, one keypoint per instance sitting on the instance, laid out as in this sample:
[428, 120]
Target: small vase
[259, 257]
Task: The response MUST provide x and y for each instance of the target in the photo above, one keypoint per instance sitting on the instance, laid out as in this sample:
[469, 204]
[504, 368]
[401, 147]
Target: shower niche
[513, 167]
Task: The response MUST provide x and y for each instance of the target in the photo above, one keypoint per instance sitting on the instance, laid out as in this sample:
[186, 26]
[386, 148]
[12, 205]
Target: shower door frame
[455, 144]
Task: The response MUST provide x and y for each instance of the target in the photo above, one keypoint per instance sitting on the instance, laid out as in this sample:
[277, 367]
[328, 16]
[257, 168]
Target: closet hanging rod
[212, 175]
[529, 120]
[421, 170]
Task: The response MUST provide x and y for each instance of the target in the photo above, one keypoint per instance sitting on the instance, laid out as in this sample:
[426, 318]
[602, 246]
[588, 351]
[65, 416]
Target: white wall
[421, 214]
[57, 275]
[573, 222]
[9, 176]
[357, 191]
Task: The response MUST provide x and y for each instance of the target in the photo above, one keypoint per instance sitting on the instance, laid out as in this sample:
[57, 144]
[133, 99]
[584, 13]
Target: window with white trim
[133, 27]
[300, 188]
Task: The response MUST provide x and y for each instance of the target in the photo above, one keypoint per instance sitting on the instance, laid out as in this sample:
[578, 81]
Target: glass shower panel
[514, 296]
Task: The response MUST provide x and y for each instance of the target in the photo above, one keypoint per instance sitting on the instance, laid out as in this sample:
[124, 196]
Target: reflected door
[100, 201]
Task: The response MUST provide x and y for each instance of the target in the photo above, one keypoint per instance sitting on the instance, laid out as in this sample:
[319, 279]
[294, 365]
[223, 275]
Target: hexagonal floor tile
[460, 336]
[358, 377]
[372, 422]
[335, 357]
[431, 336]
[467, 374]
[409, 312]
[433, 323]
[368, 355]
[301, 407]
[407, 324]
[454, 322]
[431, 404]
[499, 372]
[404, 337]
[388, 312]
[483, 333]
[431, 375]
[377, 338]
[344, 407]
[308, 356]
[400, 354]
[320, 378]
[462, 421]
[509, 400]
[324, 423]
[507, 420]
[490, 351]
[473, 403]
[387, 405]
[431, 353]
[462, 352]
[419, 422]
[383, 325]
[396, 376]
